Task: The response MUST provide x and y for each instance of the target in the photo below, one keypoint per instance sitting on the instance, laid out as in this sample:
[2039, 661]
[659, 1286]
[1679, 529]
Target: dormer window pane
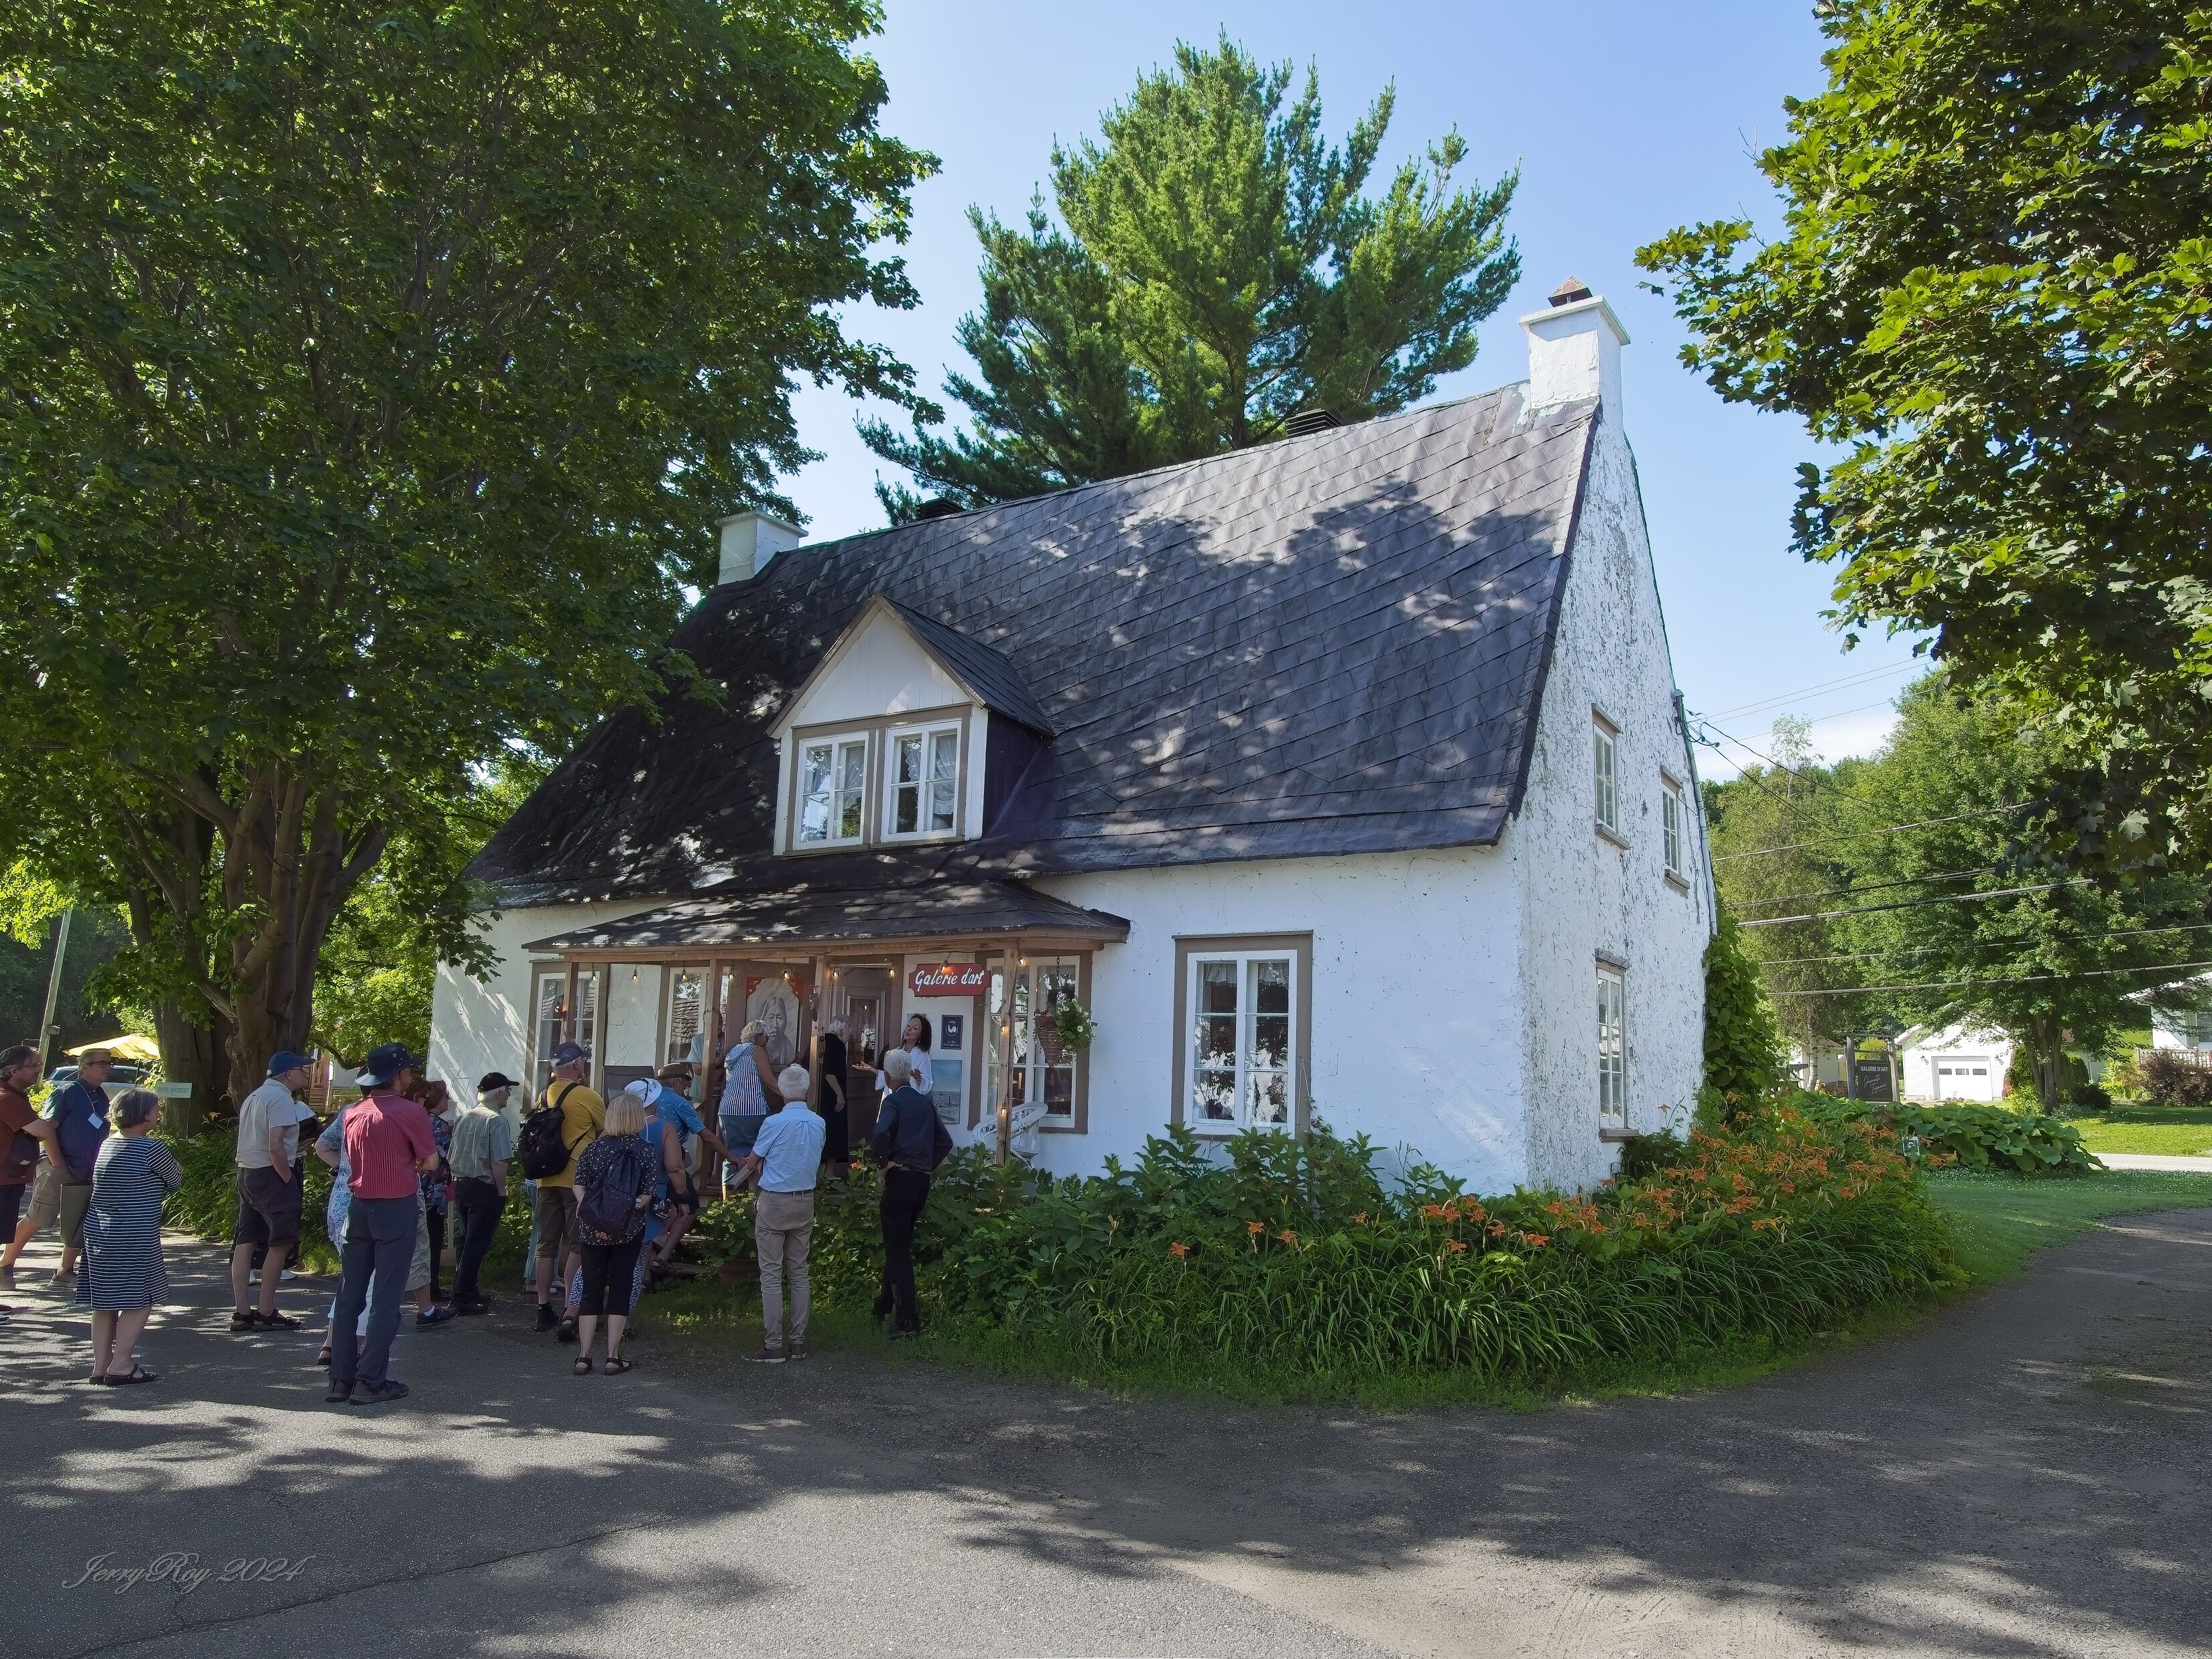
[832, 779]
[924, 781]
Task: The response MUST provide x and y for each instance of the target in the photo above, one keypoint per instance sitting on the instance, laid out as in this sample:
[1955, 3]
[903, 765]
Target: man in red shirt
[24, 1138]
[387, 1142]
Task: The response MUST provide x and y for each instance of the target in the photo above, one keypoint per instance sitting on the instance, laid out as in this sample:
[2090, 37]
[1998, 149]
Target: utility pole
[48, 1029]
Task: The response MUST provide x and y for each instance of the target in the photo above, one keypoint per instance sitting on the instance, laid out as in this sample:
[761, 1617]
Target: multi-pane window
[686, 1042]
[1611, 1050]
[1244, 1028]
[1670, 823]
[1601, 768]
[924, 781]
[554, 1022]
[833, 777]
[1044, 1068]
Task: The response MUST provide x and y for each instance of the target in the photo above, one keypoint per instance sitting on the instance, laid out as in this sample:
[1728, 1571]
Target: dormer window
[833, 786]
[925, 782]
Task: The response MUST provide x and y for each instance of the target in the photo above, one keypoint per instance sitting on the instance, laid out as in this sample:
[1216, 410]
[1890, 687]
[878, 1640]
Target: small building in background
[1965, 1060]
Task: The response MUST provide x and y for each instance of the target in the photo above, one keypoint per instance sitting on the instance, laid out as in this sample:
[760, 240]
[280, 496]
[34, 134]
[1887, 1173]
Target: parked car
[120, 1077]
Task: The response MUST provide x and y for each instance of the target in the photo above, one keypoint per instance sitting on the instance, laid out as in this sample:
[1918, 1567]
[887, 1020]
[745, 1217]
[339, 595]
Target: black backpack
[608, 1207]
[541, 1151]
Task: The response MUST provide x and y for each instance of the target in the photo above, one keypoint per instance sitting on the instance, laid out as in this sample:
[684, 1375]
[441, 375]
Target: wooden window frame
[1613, 1126]
[1674, 842]
[1192, 948]
[1605, 783]
[874, 804]
[889, 792]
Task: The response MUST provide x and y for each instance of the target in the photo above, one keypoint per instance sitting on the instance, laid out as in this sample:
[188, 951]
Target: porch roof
[805, 916]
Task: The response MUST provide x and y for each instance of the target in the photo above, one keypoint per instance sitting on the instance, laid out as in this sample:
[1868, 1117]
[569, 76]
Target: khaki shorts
[556, 1220]
[56, 1198]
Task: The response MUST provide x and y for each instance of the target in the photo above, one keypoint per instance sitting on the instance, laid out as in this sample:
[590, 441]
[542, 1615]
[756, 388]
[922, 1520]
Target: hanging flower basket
[1073, 1024]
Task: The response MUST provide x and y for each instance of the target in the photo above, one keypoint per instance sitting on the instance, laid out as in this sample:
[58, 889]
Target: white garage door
[1969, 1077]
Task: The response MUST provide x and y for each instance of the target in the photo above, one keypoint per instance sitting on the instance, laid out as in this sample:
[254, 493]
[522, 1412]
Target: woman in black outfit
[829, 1097]
[618, 1167]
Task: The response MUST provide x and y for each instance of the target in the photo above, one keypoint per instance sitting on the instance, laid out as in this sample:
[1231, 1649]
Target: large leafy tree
[368, 378]
[1993, 289]
[1924, 909]
[1216, 265]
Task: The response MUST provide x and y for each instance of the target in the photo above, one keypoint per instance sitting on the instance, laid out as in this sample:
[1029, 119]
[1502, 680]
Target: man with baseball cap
[583, 1118]
[78, 1111]
[388, 1143]
[268, 1196]
[484, 1140]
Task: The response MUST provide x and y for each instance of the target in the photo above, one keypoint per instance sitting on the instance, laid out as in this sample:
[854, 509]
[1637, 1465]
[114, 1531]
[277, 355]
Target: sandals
[583, 1365]
[323, 1358]
[567, 1332]
[136, 1374]
[617, 1365]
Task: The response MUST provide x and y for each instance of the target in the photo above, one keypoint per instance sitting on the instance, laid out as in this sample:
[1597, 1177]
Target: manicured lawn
[2003, 1220]
[2172, 1130]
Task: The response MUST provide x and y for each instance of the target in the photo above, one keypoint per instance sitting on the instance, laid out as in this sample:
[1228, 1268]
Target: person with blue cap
[268, 1196]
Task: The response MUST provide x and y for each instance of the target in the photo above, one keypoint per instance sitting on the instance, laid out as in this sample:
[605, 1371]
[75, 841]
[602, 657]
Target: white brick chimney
[749, 540]
[1574, 350]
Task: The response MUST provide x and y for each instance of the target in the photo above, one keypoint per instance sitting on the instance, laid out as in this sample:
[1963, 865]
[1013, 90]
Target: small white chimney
[749, 540]
[1574, 350]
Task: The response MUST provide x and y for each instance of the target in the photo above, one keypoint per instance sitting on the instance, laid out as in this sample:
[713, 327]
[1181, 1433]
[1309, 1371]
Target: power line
[1873, 886]
[1761, 704]
[1861, 835]
[1829, 720]
[1984, 945]
[1914, 904]
[2017, 979]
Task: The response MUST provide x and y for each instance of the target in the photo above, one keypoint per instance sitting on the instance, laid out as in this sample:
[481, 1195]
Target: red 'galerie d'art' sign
[949, 979]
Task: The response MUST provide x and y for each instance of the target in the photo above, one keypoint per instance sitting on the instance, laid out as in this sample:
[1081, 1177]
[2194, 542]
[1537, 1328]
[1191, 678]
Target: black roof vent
[1307, 421]
[937, 506]
[1573, 291]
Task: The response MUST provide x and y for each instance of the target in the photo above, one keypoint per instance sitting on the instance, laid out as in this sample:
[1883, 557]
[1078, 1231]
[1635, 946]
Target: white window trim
[1246, 1013]
[891, 784]
[1033, 1068]
[836, 742]
[1615, 1121]
[1672, 840]
[1605, 783]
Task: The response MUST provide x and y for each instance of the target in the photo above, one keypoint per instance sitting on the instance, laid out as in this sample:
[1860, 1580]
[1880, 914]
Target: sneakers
[904, 1336]
[764, 1355]
[794, 1350]
[337, 1394]
[378, 1394]
[547, 1319]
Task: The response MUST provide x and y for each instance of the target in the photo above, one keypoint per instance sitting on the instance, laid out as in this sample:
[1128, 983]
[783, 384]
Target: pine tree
[1216, 268]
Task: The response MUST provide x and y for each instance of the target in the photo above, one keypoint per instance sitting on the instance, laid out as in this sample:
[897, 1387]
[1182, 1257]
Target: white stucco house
[1964, 1061]
[1343, 776]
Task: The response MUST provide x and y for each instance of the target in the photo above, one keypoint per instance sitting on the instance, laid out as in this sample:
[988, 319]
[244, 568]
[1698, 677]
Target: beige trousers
[783, 1232]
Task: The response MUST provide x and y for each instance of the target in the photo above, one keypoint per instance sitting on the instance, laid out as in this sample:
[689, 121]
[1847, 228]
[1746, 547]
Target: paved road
[2026, 1476]
[2173, 1164]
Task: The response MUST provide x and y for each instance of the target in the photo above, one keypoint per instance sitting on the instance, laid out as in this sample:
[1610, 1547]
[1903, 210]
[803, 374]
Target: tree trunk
[194, 1050]
[2050, 1061]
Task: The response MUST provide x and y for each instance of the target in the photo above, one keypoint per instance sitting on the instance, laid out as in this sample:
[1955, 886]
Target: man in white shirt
[268, 1196]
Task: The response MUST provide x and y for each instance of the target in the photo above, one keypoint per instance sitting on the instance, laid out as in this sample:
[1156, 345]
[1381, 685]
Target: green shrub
[2004, 1138]
[1743, 1046]
[1645, 1155]
[1292, 1256]
[2167, 1079]
[207, 1204]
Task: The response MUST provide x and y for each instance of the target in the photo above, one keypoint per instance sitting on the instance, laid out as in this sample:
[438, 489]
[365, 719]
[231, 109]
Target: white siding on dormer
[877, 669]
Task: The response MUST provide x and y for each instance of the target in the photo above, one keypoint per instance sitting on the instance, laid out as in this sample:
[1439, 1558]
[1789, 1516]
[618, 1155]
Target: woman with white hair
[750, 1087]
[614, 1197]
[123, 1273]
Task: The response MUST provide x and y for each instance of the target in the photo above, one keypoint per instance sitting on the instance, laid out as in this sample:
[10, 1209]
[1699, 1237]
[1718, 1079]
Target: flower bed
[1292, 1256]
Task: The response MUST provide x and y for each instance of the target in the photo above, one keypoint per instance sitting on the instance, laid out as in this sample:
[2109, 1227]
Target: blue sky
[1625, 119]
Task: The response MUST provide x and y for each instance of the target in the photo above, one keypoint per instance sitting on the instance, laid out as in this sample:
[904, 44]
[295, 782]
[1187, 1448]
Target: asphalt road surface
[2025, 1475]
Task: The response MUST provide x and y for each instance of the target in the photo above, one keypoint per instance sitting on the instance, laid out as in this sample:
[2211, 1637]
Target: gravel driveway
[2026, 1475]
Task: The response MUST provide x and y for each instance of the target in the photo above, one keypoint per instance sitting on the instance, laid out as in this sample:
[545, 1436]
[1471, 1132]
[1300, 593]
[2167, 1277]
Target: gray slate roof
[980, 669]
[810, 914]
[1327, 644]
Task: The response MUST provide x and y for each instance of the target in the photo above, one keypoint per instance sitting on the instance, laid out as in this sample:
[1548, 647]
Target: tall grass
[1295, 1257]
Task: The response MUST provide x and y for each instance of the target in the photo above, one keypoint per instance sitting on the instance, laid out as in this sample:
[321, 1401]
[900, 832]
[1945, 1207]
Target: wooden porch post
[1005, 1127]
